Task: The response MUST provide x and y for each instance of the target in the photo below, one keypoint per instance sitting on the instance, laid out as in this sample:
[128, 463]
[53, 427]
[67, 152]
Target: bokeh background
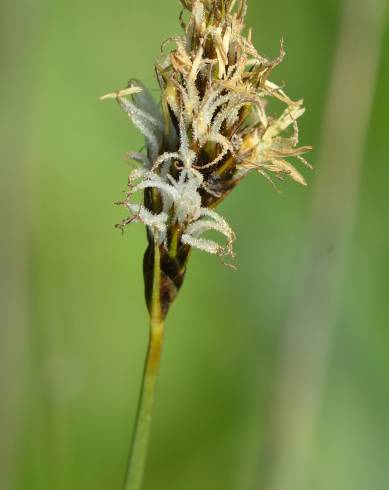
[275, 376]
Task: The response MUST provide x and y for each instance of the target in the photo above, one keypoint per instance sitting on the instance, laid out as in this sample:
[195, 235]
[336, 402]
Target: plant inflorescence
[212, 130]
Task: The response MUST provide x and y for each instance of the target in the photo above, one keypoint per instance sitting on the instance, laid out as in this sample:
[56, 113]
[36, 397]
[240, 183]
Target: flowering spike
[212, 130]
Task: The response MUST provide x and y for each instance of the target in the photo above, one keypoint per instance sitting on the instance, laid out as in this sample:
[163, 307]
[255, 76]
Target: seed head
[211, 131]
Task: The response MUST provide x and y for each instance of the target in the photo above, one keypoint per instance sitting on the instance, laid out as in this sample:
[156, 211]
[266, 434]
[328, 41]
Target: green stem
[138, 454]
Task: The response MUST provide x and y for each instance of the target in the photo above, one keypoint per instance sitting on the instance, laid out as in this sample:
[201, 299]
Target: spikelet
[212, 130]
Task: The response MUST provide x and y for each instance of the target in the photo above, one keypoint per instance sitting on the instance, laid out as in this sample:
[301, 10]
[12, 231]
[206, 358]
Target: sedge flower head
[212, 129]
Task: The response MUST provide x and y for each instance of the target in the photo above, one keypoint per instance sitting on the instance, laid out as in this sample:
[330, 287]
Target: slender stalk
[138, 454]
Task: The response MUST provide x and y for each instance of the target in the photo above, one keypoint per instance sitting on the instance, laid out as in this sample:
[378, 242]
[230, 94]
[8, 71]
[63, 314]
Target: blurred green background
[275, 376]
